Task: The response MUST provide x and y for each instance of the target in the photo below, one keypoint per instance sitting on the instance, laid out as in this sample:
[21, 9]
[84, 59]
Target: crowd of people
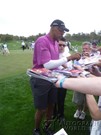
[4, 48]
[27, 45]
[51, 52]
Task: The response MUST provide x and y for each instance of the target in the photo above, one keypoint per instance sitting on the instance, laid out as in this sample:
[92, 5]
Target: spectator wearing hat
[94, 48]
[46, 55]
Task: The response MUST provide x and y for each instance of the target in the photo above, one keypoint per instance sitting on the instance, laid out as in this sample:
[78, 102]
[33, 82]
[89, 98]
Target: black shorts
[44, 93]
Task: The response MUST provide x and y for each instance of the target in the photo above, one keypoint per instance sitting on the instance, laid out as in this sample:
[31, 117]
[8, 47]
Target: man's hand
[75, 56]
[98, 64]
[95, 71]
[78, 67]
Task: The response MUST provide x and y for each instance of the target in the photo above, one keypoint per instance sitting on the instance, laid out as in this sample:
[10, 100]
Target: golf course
[16, 101]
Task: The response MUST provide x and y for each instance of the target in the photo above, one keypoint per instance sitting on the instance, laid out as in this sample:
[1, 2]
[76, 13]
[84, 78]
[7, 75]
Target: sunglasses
[62, 45]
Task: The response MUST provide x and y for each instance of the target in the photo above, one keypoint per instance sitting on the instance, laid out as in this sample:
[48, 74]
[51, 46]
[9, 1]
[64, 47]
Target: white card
[61, 132]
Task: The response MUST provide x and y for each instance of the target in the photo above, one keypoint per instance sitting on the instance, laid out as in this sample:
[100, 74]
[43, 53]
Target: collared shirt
[45, 49]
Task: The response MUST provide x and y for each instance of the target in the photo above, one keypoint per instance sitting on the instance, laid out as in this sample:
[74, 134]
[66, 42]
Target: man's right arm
[56, 63]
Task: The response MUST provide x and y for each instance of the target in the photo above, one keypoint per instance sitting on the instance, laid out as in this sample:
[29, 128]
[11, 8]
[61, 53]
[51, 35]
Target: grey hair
[87, 43]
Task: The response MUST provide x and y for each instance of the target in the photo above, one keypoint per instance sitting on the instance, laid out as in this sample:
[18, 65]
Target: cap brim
[65, 29]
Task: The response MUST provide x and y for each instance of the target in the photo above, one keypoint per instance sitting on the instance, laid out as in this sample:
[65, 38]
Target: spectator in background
[61, 94]
[23, 45]
[94, 45]
[63, 52]
[32, 45]
[5, 49]
[95, 49]
[79, 98]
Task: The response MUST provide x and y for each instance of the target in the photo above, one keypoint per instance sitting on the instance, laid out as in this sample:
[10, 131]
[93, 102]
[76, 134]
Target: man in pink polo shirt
[46, 54]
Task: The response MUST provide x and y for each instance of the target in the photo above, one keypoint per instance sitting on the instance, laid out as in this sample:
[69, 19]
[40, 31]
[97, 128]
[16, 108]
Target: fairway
[15, 63]
[16, 102]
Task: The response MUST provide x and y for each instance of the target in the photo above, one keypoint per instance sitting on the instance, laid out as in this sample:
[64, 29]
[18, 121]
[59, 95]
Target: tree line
[93, 36]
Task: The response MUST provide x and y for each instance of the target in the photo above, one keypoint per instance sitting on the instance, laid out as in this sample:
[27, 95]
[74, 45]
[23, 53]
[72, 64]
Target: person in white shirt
[63, 52]
[32, 45]
[23, 45]
[59, 106]
[79, 98]
[95, 50]
[5, 49]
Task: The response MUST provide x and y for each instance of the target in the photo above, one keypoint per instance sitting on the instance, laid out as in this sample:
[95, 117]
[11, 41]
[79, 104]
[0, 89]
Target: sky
[31, 17]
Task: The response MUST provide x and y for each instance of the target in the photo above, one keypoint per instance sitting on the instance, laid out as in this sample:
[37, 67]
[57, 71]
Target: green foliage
[5, 38]
[74, 43]
[74, 37]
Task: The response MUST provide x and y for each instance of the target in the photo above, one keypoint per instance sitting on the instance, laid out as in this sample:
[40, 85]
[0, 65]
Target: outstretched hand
[98, 63]
[95, 70]
[75, 56]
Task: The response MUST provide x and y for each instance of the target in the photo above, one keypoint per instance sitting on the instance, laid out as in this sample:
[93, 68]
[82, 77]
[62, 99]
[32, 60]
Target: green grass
[16, 101]
[16, 106]
[14, 45]
[15, 63]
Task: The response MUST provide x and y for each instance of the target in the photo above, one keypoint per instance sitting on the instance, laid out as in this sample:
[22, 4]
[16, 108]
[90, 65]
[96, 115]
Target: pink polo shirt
[45, 49]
